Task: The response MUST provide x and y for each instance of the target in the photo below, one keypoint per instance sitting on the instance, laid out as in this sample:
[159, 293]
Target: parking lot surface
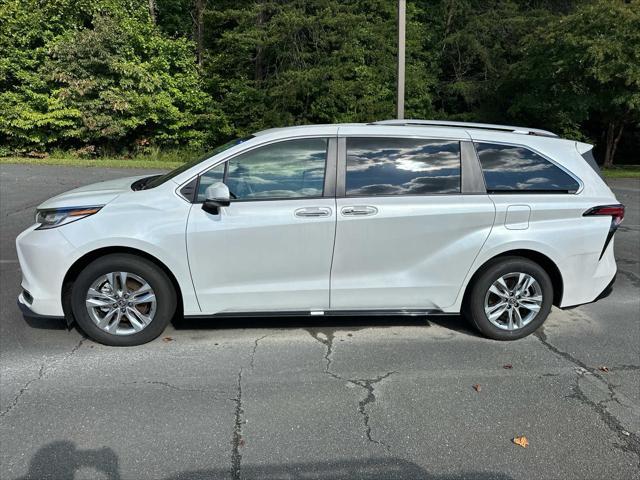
[348, 398]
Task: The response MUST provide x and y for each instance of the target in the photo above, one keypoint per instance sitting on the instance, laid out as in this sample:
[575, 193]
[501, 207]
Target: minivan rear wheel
[122, 300]
[510, 299]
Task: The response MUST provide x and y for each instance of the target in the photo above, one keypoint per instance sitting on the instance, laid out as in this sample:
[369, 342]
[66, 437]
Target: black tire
[474, 304]
[163, 288]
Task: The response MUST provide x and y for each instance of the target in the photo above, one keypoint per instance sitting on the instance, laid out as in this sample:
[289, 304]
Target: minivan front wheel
[510, 299]
[123, 300]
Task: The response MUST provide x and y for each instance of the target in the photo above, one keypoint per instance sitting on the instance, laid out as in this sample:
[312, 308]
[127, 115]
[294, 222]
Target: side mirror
[216, 195]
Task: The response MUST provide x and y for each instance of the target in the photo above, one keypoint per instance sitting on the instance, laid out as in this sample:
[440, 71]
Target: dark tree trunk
[198, 28]
[153, 8]
[614, 133]
[259, 68]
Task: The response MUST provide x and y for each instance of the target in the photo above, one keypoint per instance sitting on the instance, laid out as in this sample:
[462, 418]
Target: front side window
[287, 169]
[160, 179]
[402, 166]
[513, 169]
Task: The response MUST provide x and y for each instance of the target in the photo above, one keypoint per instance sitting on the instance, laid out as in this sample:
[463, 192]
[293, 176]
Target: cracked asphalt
[355, 398]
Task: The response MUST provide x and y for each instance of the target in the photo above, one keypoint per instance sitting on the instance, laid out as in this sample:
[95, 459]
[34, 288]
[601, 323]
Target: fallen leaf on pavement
[167, 339]
[522, 441]
[477, 387]
[508, 366]
[604, 369]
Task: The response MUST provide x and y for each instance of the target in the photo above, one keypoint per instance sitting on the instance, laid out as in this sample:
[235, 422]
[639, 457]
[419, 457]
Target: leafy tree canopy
[111, 76]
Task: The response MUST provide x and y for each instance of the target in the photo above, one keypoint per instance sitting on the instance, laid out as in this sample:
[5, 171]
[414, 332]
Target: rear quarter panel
[556, 226]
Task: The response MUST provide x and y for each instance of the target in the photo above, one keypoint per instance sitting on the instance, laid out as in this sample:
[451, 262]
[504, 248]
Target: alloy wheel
[121, 303]
[513, 301]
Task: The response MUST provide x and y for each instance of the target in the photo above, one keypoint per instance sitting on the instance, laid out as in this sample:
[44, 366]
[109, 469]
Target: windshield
[160, 179]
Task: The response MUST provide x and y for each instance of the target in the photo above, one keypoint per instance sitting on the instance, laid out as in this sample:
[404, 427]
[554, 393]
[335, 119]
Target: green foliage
[582, 66]
[279, 63]
[101, 77]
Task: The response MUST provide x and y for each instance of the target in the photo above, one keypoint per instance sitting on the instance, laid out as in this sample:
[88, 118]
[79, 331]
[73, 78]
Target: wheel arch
[87, 258]
[540, 258]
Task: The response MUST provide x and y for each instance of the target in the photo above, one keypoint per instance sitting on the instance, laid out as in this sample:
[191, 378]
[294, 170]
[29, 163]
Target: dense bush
[99, 77]
[117, 76]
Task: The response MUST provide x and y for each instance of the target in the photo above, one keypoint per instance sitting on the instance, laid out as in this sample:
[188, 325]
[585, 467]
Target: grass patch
[103, 162]
[625, 171]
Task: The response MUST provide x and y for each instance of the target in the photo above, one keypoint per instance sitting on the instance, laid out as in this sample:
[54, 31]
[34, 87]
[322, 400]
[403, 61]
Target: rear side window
[402, 166]
[513, 169]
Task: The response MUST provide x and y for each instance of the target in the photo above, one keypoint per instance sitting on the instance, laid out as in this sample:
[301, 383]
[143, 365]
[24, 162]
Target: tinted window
[510, 168]
[216, 174]
[289, 169]
[402, 166]
[160, 179]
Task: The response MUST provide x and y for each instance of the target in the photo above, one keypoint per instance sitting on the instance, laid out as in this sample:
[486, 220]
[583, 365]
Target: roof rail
[481, 126]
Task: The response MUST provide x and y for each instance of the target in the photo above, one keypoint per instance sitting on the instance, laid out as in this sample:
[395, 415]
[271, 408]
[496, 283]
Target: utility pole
[402, 23]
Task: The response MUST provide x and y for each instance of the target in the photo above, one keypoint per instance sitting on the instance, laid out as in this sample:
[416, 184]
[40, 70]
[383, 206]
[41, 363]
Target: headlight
[51, 218]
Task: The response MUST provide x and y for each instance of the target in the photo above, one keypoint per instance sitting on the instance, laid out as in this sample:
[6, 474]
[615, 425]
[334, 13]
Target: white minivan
[406, 217]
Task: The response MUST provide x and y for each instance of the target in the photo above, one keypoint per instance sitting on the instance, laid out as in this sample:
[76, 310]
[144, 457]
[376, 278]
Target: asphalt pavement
[354, 398]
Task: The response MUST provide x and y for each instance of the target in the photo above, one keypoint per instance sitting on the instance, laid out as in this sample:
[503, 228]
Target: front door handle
[313, 212]
[359, 210]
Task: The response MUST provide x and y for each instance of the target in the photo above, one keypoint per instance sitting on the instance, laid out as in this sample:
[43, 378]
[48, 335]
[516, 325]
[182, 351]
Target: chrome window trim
[547, 158]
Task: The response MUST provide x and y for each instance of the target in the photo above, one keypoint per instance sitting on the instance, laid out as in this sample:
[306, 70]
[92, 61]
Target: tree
[582, 67]
[317, 61]
[106, 79]
[198, 28]
[113, 74]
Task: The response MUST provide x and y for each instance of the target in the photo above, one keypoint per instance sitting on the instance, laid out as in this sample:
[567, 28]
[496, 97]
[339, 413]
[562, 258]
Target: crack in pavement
[365, 383]
[255, 347]
[236, 439]
[622, 368]
[368, 385]
[173, 387]
[42, 372]
[328, 343]
[631, 441]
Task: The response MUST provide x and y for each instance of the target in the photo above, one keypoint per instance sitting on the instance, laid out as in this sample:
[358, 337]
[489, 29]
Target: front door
[271, 249]
[406, 234]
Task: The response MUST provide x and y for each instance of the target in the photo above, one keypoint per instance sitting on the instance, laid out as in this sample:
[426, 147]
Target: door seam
[335, 208]
[186, 248]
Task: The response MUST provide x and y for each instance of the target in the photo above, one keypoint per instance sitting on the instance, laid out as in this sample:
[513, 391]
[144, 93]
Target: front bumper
[28, 313]
[45, 256]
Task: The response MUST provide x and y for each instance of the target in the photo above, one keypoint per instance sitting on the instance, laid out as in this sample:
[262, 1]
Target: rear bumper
[608, 289]
[604, 294]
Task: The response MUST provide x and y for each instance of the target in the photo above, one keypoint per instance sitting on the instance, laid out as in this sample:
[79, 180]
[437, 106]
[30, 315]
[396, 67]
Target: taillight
[616, 212]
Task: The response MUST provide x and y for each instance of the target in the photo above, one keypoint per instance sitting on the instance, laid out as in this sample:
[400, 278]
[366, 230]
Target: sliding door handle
[359, 210]
[313, 212]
